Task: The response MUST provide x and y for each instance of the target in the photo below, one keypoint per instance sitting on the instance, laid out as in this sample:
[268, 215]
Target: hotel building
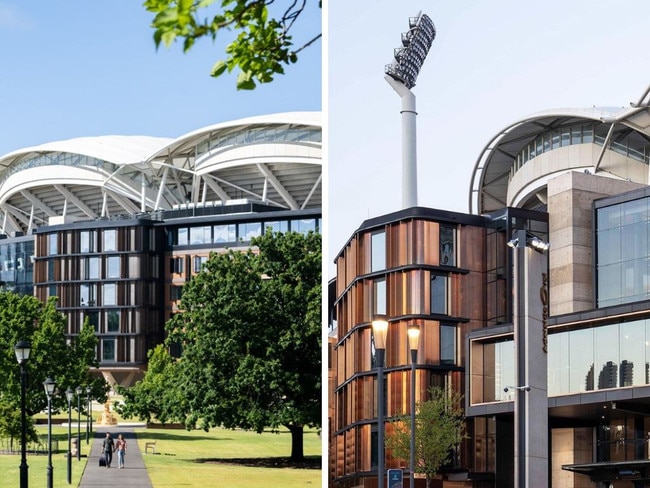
[114, 226]
[550, 346]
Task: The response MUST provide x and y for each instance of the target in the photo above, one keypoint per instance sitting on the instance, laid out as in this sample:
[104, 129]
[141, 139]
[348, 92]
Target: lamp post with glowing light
[414, 339]
[79, 391]
[69, 395]
[22, 350]
[379, 331]
[49, 386]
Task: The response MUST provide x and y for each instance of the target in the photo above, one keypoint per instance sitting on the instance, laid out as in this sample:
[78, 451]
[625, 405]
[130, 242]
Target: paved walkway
[134, 472]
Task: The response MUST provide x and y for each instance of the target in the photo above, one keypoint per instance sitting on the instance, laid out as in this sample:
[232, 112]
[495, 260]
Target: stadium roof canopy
[275, 159]
[625, 131]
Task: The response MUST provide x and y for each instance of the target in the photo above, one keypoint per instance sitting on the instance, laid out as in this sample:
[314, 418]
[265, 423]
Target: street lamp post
[79, 391]
[69, 394]
[414, 338]
[49, 386]
[22, 350]
[89, 390]
[379, 331]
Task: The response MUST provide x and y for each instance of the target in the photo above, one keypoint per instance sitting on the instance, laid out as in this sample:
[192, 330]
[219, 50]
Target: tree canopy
[250, 333]
[27, 318]
[439, 429]
[262, 45]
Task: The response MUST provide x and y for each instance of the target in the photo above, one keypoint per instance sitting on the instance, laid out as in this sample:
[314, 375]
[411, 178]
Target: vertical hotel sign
[543, 295]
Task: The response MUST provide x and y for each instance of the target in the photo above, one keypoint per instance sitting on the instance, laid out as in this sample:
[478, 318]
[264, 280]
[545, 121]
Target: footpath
[134, 472]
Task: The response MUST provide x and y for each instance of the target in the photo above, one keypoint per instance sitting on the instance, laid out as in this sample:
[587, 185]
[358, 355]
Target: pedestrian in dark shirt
[107, 449]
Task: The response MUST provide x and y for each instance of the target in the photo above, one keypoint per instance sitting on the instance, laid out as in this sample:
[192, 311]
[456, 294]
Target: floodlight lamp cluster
[415, 47]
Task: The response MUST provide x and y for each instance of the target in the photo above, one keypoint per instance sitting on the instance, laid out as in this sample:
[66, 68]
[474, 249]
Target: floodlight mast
[401, 75]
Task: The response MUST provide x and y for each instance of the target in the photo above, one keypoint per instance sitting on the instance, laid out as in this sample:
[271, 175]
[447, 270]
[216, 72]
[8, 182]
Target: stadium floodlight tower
[401, 75]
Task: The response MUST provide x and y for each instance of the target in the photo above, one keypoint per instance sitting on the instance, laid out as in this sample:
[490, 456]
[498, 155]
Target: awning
[608, 471]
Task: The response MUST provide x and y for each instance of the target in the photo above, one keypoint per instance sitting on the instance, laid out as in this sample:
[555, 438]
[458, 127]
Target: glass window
[558, 364]
[110, 294]
[623, 253]
[606, 356]
[303, 226]
[110, 240]
[113, 321]
[113, 265]
[87, 295]
[439, 294]
[87, 241]
[92, 268]
[183, 237]
[225, 233]
[52, 248]
[277, 226]
[576, 135]
[632, 342]
[581, 345]
[175, 292]
[378, 251]
[201, 235]
[249, 230]
[447, 344]
[176, 265]
[93, 320]
[447, 246]
[566, 137]
[198, 262]
[379, 287]
[556, 139]
[108, 349]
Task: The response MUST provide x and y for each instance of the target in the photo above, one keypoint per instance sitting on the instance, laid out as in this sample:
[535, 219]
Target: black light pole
[69, 394]
[414, 339]
[22, 350]
[379, 330]
[49, 386]
[89, 390]
[79, 391]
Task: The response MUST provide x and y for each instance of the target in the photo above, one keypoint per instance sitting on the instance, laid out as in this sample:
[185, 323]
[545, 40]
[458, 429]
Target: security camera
[527, 388]
[506, 389]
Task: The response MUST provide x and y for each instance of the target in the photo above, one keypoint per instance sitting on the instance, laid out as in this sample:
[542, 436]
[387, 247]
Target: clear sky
[492, 63]
[72, 68]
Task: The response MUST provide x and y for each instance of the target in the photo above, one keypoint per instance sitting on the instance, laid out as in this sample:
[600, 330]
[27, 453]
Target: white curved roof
[492, 171]
[273, 158]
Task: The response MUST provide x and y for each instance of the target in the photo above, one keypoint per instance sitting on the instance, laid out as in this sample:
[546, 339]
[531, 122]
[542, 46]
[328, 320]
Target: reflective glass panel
[113, 265]
[110, 240]
[110, 294]
[108, 349]
[113, 320]
[378, 251]
[439, 294]
[225, 233]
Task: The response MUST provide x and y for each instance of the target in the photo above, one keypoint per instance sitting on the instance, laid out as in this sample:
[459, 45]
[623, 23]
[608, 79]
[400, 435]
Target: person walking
[120, 447]
[108, 447]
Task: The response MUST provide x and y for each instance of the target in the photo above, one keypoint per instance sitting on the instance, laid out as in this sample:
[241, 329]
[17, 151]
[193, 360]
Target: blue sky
[492, 63]
[74, 68]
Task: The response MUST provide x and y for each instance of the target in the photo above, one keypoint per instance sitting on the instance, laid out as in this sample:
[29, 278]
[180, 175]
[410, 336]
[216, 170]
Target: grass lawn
[198, 459]
[189, 459]
[37, 464]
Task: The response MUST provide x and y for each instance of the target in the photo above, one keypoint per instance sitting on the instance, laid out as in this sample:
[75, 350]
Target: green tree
[250, 334]
[262, 45]
[26, 317]
[439, 429]
[151, 397]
